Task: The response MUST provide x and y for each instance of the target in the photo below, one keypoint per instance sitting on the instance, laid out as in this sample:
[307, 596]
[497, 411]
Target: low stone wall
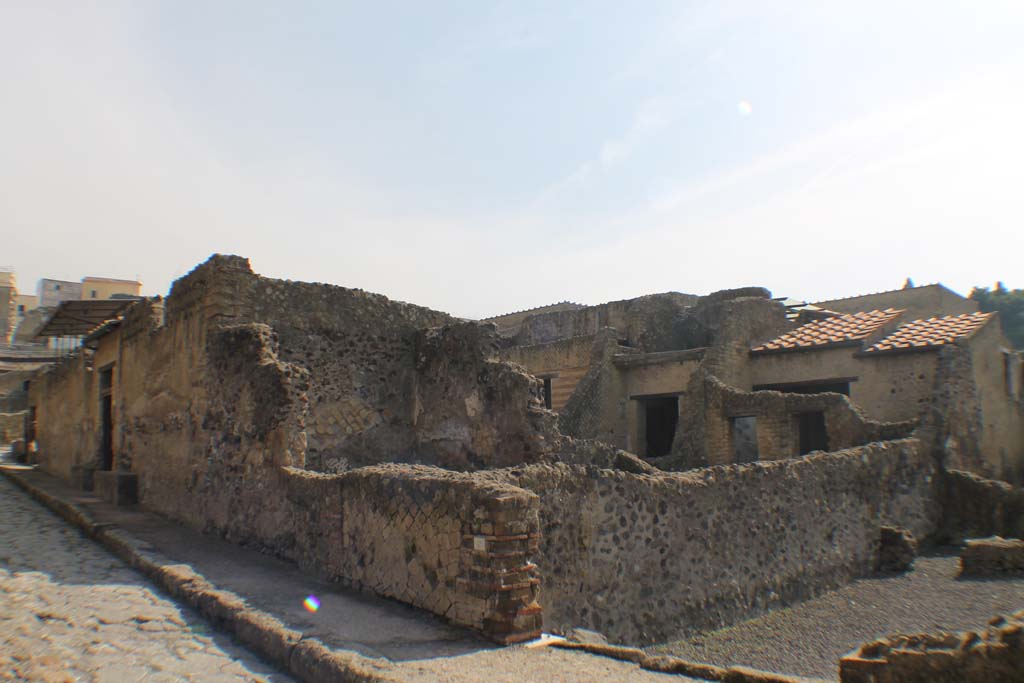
[992, 557]
[975, 507]
[643, 558]
[778, 433]
[440, 540]
[994, 655]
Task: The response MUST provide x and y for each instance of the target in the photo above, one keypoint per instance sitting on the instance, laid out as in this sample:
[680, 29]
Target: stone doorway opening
[813, 434]
[107, 418]
[661, 417]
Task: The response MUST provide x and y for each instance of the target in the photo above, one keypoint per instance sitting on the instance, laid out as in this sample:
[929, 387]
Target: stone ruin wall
[975, 507]
[214, 420]
[970, 389]
[594, 411]
[448, 542]
[723, 324]
[645, 322]
[994, 654]
[390, 381]
[640, 557]
[777, 428]
[565, 362]
[211, 415]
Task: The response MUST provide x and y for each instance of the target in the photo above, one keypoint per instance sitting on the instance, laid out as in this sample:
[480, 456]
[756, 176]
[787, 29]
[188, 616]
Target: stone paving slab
[71, 612]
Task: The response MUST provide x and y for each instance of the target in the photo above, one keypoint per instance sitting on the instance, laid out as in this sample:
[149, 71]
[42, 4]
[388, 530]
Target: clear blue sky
[481, 157]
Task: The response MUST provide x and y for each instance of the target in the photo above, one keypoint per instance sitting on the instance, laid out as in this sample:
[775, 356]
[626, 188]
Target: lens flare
[311, 603]
[744, 108]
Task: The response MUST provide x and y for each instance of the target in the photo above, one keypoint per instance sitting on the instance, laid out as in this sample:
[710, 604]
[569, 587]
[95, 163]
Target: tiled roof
[926, 334]
[840, 329]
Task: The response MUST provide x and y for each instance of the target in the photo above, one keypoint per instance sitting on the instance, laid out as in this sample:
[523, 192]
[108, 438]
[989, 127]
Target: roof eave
[816, 347]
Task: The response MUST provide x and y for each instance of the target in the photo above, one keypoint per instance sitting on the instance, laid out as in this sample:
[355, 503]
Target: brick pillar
[497, 568]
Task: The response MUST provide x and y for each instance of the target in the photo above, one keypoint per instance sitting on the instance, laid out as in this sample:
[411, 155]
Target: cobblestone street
[69, 611]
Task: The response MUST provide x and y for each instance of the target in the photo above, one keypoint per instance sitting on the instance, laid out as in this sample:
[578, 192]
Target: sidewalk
[259, 599]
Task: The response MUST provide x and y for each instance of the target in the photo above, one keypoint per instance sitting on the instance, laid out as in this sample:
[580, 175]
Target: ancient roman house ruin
[485, 471]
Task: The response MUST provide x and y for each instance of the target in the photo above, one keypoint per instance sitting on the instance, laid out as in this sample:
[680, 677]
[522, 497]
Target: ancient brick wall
[448, 542]
[640, 557]
[887, 387]
[564, 362]
[600, 406]
[777, 426]
[596, 409]
[728, 326]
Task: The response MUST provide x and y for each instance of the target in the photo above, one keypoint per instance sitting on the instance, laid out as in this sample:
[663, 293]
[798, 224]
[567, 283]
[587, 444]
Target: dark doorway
[744, 439]
[106, 419]
[661, 416]
[547, 393]
[813, 435]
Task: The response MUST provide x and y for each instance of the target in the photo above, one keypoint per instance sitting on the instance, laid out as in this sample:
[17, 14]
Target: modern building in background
[108, 288]
[21, 315]
[52, 292]
[8, 305]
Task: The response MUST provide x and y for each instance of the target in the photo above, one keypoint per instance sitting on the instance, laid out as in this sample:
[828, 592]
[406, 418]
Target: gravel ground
[808, 639]
[71, 612]
[524, 665]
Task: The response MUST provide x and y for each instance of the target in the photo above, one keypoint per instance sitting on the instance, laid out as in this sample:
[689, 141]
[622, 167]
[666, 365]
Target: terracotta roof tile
[930, 333]
[840, 329]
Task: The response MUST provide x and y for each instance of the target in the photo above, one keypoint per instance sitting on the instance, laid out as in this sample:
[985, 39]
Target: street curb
[308, 659]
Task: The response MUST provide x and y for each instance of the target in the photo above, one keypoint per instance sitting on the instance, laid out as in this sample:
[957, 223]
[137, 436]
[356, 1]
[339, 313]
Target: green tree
[1010, 305]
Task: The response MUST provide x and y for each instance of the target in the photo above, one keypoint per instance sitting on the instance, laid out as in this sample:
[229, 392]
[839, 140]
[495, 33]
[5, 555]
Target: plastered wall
[888, 388]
